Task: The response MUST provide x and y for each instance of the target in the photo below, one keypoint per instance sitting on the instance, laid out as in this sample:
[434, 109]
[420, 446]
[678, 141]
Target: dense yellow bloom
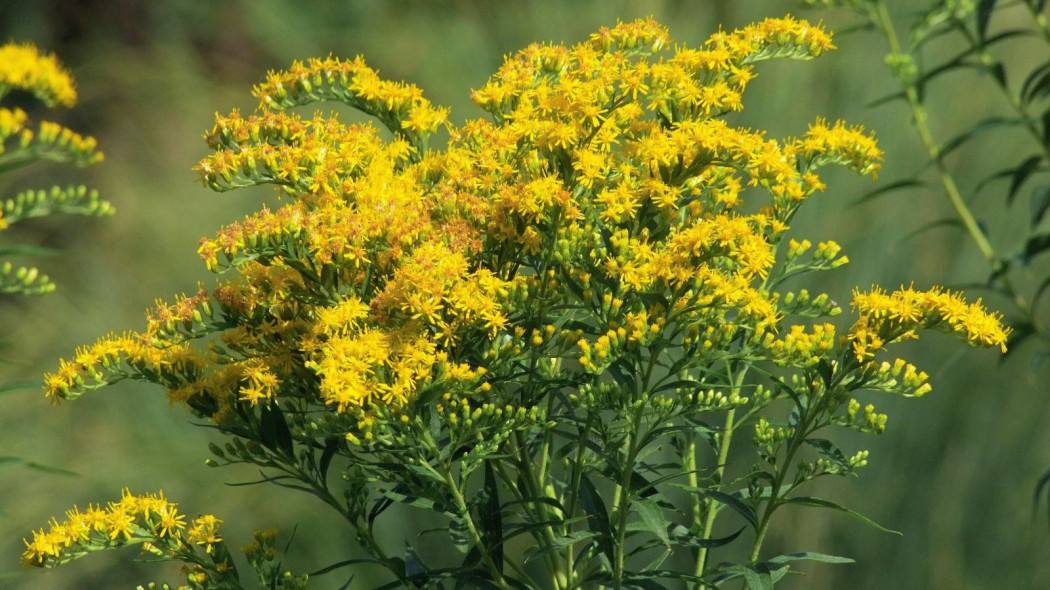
[148, 518]
[24, 67]
[605, 186]
[400, 106]
[887, 317]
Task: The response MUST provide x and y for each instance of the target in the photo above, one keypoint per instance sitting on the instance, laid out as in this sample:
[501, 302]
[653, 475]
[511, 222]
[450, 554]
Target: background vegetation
[955, 471]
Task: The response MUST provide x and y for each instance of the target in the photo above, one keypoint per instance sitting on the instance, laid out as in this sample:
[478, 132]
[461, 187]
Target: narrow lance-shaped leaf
[1038, 205]
[821, 503]
[888, 188]
[984, 16]
[598, 517]
[491, 517]
[1037, 84]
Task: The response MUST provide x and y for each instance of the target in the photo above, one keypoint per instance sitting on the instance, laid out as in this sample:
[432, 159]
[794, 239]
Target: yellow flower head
[24, 67]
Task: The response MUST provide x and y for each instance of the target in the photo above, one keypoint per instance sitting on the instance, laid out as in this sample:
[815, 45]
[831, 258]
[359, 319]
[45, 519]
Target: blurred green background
[955, 471]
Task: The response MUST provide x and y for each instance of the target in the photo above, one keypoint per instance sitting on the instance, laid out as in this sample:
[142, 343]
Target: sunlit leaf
[821, 503]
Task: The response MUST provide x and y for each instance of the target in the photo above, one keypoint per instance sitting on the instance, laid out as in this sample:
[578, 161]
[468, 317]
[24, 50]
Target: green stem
[622, 502]
[363, 534]
[880, 16]
[501, 470]
[1039, 19]
[1032, 128]
[533, 488]
[575, 478]
[464, 512]
[475, 536]
[802, 432]
[710, 508]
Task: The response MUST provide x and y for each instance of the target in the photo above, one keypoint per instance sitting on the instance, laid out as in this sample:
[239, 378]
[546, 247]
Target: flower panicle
[890, 317]
[113, 358]
[134, 519]
[776, 37]
[398, 105]
[25, 67]
[840, 143]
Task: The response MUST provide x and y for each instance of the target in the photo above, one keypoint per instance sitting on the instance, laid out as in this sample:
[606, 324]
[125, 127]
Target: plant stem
[1032, 128]
[880, 16]
[710, 507]
[802, 432]
[574, 494]
[1040, 20]
[464, 511]
[475, 536]
[710, 510]
[621, 499]
[534, 490]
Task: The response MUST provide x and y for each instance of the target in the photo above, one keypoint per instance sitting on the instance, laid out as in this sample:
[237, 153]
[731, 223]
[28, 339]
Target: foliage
[971, 25]
[24, 68]
[549, 333]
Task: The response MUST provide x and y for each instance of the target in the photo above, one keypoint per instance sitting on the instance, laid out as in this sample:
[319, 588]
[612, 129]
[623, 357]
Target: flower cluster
[23, 67]
[891, 317]
[571, 280]
[26, 68]
[606, 183]
[398, 105]
[147, 519]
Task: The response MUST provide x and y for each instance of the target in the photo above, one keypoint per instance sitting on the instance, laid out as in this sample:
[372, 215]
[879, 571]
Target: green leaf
[598, 517]
[653, 518]
[20, 385]
[273, 430]
[1039, 292]
[331, 444]
[342, 564]
[459, 533]
[827, 449]
[1038, 205]
[729, 500]
[946, 222]
[983, 126]
[402, 495]
[808, 556]
[960, 61]
[561, 543]
[984, 16]
[886, 99]
[821, 503]
[1017, 175]
[27, 250]
[1035, 245]
[414, 565]
[1021, 331]
[887, 188]
[681, 537]
[643, 584]
[37, 466]
[1043, 484]
[758, 577]
[492, 517]
[1046, 125]
[1037, 84]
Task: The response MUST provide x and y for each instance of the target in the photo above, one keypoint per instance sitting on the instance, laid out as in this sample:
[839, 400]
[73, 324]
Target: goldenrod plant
[577, 334]
[24, 68]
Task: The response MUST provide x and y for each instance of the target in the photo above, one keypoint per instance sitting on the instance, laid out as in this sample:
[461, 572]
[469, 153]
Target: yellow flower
[23, 66]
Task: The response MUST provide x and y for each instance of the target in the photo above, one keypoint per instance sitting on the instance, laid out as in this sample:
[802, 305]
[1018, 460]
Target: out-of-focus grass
[954, 472]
